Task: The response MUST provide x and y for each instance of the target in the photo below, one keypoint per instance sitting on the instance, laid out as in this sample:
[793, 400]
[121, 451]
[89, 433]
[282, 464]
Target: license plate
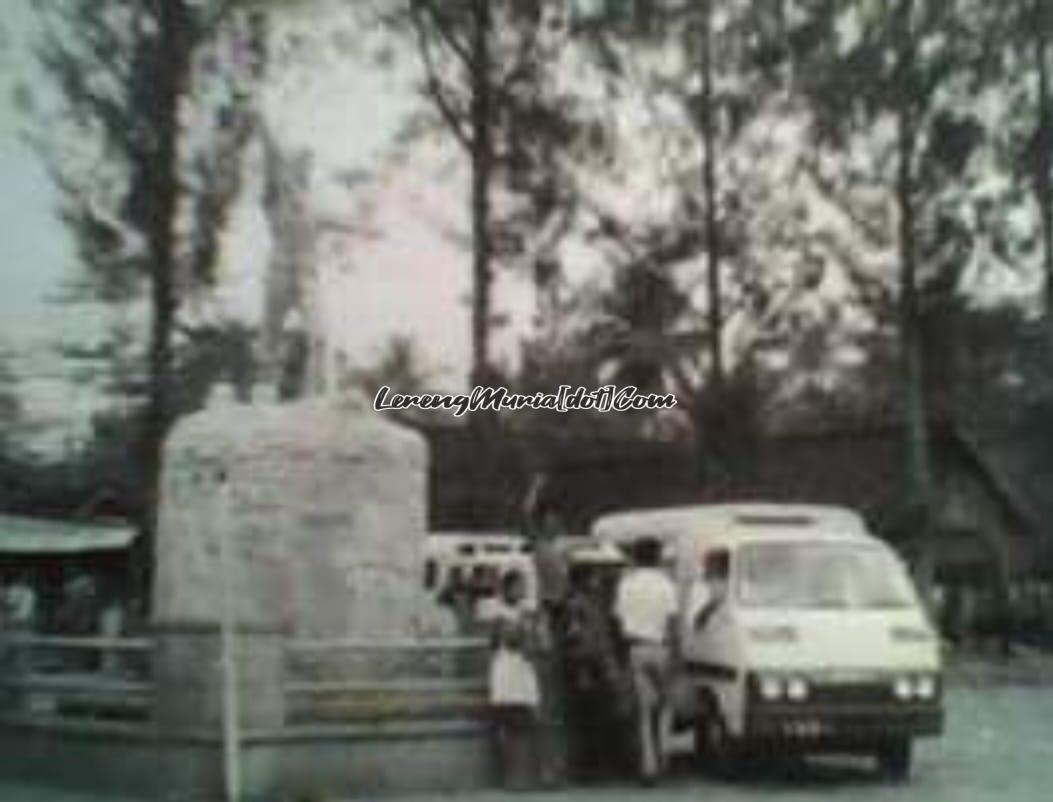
[847, 677]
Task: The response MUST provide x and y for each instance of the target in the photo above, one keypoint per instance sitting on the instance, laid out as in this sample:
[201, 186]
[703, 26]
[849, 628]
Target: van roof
[477, 543]
[583, 549]
[733, 522]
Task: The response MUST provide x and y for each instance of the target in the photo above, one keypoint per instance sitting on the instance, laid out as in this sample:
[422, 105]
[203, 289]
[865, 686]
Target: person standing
[595, 679]
[111, 627]
[553, 573]
[553, 587]
[22, 618]
[515, 696]
[457, 598]
[20, 603]
[645, 607]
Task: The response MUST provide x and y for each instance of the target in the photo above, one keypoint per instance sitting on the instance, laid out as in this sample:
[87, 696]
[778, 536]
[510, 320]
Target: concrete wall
[358, 762]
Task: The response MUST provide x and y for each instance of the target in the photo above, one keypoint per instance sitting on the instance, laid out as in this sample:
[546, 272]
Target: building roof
[31, 536]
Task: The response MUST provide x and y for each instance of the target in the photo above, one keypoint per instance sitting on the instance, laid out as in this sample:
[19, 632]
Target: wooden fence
[56, 678]
[357, 680]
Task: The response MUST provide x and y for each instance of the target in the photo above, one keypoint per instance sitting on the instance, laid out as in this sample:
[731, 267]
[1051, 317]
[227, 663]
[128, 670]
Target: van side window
[716, 565]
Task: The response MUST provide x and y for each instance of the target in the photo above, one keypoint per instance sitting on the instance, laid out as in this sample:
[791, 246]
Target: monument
[323, 502]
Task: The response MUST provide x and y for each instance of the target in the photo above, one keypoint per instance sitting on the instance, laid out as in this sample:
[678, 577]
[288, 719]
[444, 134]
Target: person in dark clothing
[595, 677]
[457, 596]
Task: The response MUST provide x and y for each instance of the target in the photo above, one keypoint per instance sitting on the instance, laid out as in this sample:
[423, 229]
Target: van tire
[894, 759]
[715, 750]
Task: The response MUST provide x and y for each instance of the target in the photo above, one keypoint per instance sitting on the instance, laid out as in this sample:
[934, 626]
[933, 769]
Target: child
[514, 693]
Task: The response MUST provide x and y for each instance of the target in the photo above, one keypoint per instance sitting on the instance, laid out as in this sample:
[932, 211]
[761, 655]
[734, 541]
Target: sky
[36, 256]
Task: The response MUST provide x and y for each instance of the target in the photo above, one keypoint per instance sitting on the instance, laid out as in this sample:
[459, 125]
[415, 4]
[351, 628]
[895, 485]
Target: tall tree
[892, 92]
[708, 125]
[483, 63]
[906, 101]
[455, 43]
[1039, 24]
[125, 71]
[712, 78]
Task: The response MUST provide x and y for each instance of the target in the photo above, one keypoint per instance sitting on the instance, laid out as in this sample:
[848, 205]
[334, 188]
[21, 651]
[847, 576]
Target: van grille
[851, 692]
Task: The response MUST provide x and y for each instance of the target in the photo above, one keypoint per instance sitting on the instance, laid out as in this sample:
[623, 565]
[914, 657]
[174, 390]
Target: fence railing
[76, 678]
[56, 678]
[358, 680]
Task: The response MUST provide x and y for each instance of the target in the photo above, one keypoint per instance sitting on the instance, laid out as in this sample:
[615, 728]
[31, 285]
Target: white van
[801, 631]
[478, 559]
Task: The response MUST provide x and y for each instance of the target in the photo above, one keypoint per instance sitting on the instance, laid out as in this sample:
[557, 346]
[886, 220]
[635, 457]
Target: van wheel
[715, 750]
[894, 759]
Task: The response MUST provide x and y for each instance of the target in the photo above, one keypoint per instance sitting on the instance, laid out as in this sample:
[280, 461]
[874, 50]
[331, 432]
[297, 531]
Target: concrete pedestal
[189, 681]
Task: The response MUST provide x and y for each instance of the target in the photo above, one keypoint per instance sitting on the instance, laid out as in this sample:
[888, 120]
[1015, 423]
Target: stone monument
[324, 502]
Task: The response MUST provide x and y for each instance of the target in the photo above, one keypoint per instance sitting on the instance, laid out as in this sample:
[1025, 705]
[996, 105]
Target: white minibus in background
[801, 632]
[477, 560]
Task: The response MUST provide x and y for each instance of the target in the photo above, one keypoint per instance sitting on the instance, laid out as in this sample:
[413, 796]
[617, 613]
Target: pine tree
[132, 183]
[891, 95]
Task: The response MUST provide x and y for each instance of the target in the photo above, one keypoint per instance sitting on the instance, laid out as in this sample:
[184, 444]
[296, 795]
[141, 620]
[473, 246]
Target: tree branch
[434, 85]
[522, 60]
[441, 24]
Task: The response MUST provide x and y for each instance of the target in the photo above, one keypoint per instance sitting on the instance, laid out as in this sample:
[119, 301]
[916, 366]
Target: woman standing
[514, 694]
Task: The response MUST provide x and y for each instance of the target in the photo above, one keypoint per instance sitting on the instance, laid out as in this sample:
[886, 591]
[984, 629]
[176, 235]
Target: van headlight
[771, 688]
[919, 687]
[925, 687]
[903, 688]
[796, 689]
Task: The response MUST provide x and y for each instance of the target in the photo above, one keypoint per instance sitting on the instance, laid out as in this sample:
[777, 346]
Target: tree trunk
[173, 66]
[715, 314]
[482, 168]
[909, 324]
[712, 442]
[917, 459]
[1043, 187]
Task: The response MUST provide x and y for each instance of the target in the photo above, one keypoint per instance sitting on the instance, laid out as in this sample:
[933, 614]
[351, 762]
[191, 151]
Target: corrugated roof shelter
[40, 537]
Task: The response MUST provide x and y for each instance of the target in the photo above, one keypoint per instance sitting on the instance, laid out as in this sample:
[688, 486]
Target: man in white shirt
[646, 606]
[20, 600]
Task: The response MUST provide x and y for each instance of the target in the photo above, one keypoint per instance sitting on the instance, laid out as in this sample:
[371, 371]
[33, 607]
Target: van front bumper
[806, 724]
[860, 711]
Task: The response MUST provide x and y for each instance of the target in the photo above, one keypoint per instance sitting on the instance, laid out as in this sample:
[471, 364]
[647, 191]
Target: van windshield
[821, 575]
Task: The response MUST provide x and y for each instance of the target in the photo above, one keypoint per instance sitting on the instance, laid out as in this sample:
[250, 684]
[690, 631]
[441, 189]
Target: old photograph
[555, 400]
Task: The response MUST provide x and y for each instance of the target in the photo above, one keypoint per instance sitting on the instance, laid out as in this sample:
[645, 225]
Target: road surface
[998, 748]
